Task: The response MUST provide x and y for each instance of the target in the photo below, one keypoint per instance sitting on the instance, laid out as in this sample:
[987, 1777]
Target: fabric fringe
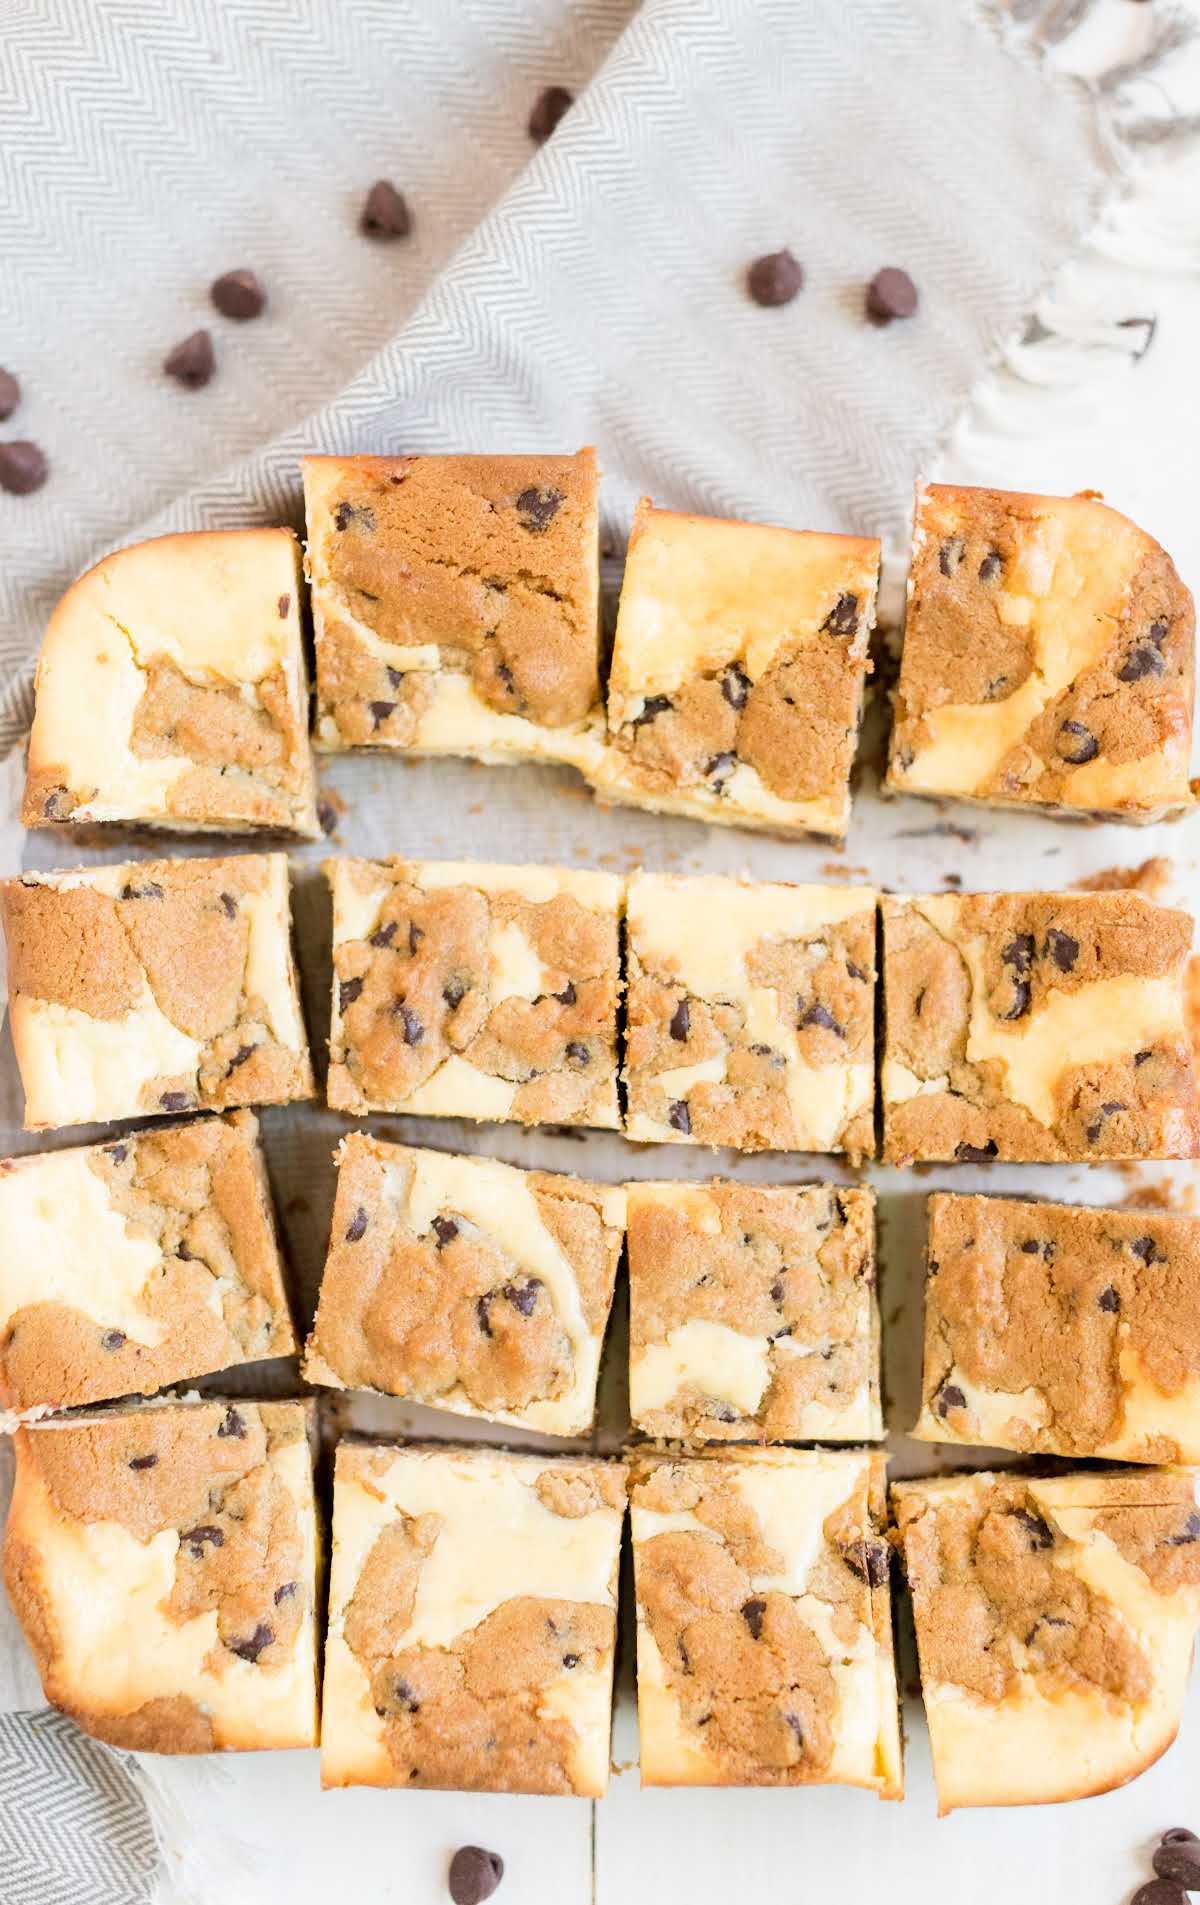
[196, 1866]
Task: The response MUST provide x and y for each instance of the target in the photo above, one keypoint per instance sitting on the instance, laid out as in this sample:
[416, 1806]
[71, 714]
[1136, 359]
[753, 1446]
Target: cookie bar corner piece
[467, 1284]
[1048, 659]
[163, 1563]
[467, 990]
[1055, 1621]
[750, 1014]
[764, 1629]
[184, 996]
[456, 604]
[172, 692]
[1036, 1028]
[738, 669]
[753, 1313]
[472, 1620]
[110, 1255]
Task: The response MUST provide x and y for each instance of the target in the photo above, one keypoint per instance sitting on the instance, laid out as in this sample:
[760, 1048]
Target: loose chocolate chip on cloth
[1179, 1860]
[23, 467]
[192, 362]
[238, 294]
[10, 395]
[891, 294]
[549, 108]
[385, 213]
[775, 278]
[474, 1874]
[1159, 1892]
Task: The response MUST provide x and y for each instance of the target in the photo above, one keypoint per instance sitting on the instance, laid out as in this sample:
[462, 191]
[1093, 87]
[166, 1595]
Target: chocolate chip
[383, 935]
[151, 891]
[523, 1296]
[870, 1560]
[117, 1152]
[793, 1720]
[976, 1153]
[482, 1305]
[251, 1648]
[1147, 1250]
[239, 1058]
[1080, 745]
[347, 513]
[405, 1695]
[454, 992]
[113, 1339]
[1062, 949]
[651, 708]
[681, 1020]
[578, 1053]
[285, 1592]
[197, 1539]
[1106, 1111]
[327, 817]
[445, 1230]
[679, 1117]
[385, 213]
[193, 362]
[1039, 1532]
[143, 1461]
[283, 605]
[410, 1023]
[820, 1015]
[474, 1873]
[238, 294]
[357, 1227]
[380, 710]
[229, 905]
[1159, 1892]
[233, 1425]
[1019, 953]
[570, 1661]
[891, 294]
[774, 278]
[1022, 995]
[1142, 1058]
[174, 1101]
[856, 972]
[990, 567]
[776, 1288]
[843, 617]
[735, 686]
[415, 935]
[1109, 1300]
[752, 1614]
[23, 467]
[537, 508]
[720, 767]
[949, 1396]
[568, 995]
[348, 991]
[1191, 1533]
[1179, 1861]
[1179, 1835]
[548, 109]
[951, 554]
[1145, 660]
[57, 805]
[10, 395]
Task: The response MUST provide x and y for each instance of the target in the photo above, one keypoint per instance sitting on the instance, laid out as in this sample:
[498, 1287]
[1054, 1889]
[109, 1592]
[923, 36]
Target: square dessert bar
[159, 986]
[128, 1266]
[753, 1313]
[764, 1623]
[737, 673]
[456, 603]
[472, 1620]
[751, 1015]
[1062, 1330]
[1048, 659]
[1037, 1027]
[1055, 1622]
[162, 1561]
[468, 1284]
[463, 990]
[172, 691]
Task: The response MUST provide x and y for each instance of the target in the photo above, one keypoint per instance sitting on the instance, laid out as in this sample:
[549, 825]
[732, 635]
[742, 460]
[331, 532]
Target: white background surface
[265, 1831]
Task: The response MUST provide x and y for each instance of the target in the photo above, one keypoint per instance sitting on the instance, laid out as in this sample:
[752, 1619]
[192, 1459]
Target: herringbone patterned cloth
[591, 292]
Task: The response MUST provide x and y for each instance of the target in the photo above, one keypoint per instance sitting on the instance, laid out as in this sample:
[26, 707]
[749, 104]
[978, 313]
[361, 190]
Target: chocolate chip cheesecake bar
[750, 1014]
[1048, 659]
[156, 987]
[1041, 1027]
[1055, 1622]
[172, 691]
[463, 990]
[764, 1628]
[162, 1562]
[753, 1313]
[466, 1283]
[456, 604]
[737, 672]
[1062, 1330]
[131, 1265]
[472, 1620]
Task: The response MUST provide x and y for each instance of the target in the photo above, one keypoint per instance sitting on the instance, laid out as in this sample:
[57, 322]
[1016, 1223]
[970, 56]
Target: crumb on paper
[330, 809]
[842, 870]
[1152, 878]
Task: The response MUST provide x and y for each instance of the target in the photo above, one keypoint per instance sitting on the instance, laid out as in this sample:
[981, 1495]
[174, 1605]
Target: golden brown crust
[1005, 963]
[489, 559]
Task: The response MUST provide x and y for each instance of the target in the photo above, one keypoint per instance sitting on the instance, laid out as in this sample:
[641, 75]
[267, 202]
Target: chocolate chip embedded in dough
[871, 1561]
[537, 508]
[192, 362]
[1076, 743]
[523, 1296]
[357, 1227]
[383, 935]
[347, 513]
[735, 686]
[1062, 949]
[820, 1015]
[549, 108]
[410, 1023]
[113, 1339]
[175, 1101]
[1147, 1250]
[199, 1538]
[719, 768]
[142, 1461]
[679, 1117]
[1144, 660]
[285, 1591]
[991, 567]
[150, 891]
[250, 1648]
[445, 1230]
[1041, 1535]
[238, 294]
[949, 1396]
[483, 1305]
[681, 1020]
[568, 995]
[752, 1614]
[843, 616]
[229, 905]
[651, 708]
[348, 991]
[1109, 1300]
[1189, 1533]
[578, 1053]
[385, 212]
[283, 605]
[951, 554]
[380, 710]
[474, 1874]
[233, 1424]
[775, 278]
